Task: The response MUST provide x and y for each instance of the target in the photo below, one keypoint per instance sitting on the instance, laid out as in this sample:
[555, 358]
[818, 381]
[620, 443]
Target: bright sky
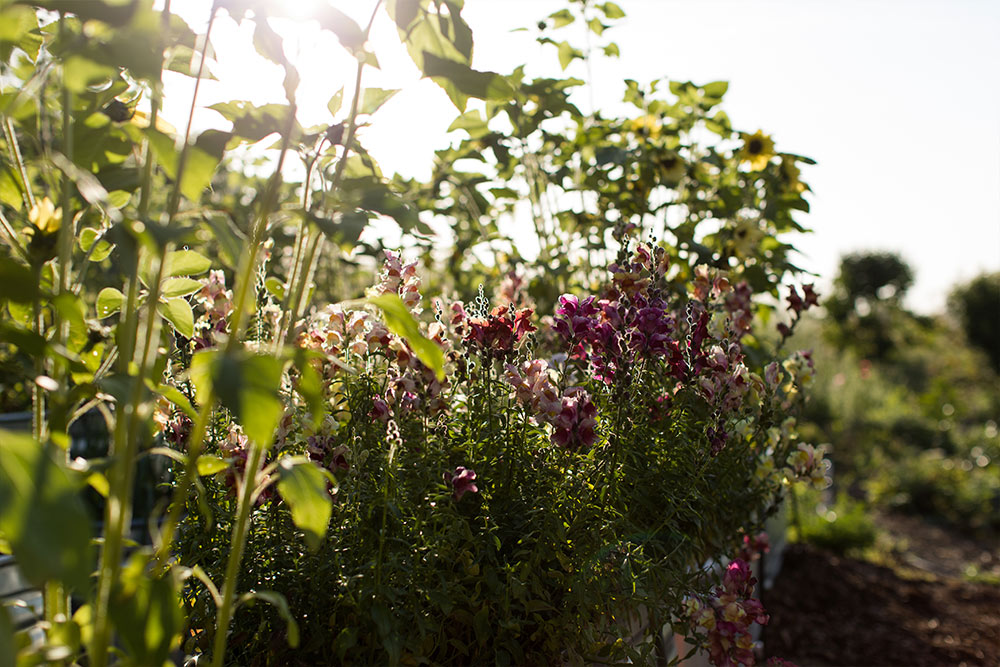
[899, 102]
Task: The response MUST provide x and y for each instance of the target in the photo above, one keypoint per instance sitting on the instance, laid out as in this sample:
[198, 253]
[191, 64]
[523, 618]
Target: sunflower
[646, 126]
[758, 149]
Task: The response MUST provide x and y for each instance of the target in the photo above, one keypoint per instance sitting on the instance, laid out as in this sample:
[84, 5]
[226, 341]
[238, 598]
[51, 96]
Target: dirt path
[827, 610]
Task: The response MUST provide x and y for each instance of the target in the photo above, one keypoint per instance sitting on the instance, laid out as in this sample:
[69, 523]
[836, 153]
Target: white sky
[898, 101]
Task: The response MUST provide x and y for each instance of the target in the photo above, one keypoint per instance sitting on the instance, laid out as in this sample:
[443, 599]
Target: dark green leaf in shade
[41, 513]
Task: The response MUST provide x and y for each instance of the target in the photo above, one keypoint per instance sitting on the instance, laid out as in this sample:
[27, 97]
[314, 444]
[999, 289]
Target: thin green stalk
[245, 278]
[10, 238]
[237, 545]
[15, 153]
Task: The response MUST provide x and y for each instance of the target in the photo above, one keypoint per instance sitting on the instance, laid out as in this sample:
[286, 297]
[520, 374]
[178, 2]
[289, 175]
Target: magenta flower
[463, 481]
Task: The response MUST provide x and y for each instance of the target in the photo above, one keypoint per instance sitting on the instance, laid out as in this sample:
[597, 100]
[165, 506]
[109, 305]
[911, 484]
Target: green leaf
[303, 486]
[310, 385]
[17, 282]
[611, 10]
[146, 611]
[596, 26]
[279, 601]
[88, 237]
[562, 18]
[178, 312]
[399, 321]
[109, 302]
[79, 73]
[716, 88]
[336, 101]
[275, 287]
[374, 98]
[467, 81]
[198, 172]
[350, 34]
[612, 50]
[180, 287]
[41, 513]
[567, 53]
[186, 263]
[246, 384]
[472, 122]
[210, 465]
[174, 395]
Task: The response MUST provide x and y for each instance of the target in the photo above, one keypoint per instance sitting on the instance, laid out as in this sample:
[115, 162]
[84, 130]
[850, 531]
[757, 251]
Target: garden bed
[827, 610]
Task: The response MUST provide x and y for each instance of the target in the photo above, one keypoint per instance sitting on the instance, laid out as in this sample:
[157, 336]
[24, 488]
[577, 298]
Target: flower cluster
[401, 279]
[573, 415]
[807, 463]
[497, 334]
[727, 615]
[216, 303]
[324, 450]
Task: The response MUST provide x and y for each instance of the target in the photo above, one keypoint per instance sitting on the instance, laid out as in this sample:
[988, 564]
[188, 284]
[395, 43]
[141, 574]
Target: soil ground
[919, 608]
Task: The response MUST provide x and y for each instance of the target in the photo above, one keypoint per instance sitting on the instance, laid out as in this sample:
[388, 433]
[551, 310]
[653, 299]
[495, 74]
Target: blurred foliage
[909, 406]
[976, 304]
[843, 527]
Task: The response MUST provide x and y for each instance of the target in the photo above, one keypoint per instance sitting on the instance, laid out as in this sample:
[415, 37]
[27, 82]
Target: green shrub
[844, 528]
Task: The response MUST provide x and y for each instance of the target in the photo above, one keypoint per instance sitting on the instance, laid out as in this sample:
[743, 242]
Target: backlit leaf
[303, 486]
[399, 321]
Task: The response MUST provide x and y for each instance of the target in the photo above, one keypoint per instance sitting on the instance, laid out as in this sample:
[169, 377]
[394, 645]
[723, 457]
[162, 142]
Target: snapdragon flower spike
[727, 615]
[575, 426]
[323, 450]
[463, 481]
[498, 333]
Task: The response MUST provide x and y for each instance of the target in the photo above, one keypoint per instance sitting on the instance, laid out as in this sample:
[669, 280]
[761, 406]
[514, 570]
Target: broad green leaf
[303, 486]
[612, 50]
[146, 611]
[186, 263]
[88, 238]
[174, 395]
[109, 302]
[596, 26]
[279, 601]
[210, 465]
[469, 82]
[562, 18]
[612, 10]
[198, 170]
[399, 321]
[80, 72]
[180, 287]
[374, 98]
[41, 513]
[275, 287]
[17, 282]
[344, 27]
[472, 122]
[178, 312]
[309, 385]
[567, 53]
[716, 88]
[246, 384]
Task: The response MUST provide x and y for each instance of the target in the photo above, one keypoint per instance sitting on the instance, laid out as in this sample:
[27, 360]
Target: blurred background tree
[976, 306]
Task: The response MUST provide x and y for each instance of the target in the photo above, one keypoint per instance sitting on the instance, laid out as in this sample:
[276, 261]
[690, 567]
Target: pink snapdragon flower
[463, 481]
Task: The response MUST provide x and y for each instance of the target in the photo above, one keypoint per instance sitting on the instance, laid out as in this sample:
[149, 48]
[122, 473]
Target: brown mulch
[828, 610]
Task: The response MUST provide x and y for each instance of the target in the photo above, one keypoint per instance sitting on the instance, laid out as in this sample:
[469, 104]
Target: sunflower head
[758, 149]
[647, 126]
